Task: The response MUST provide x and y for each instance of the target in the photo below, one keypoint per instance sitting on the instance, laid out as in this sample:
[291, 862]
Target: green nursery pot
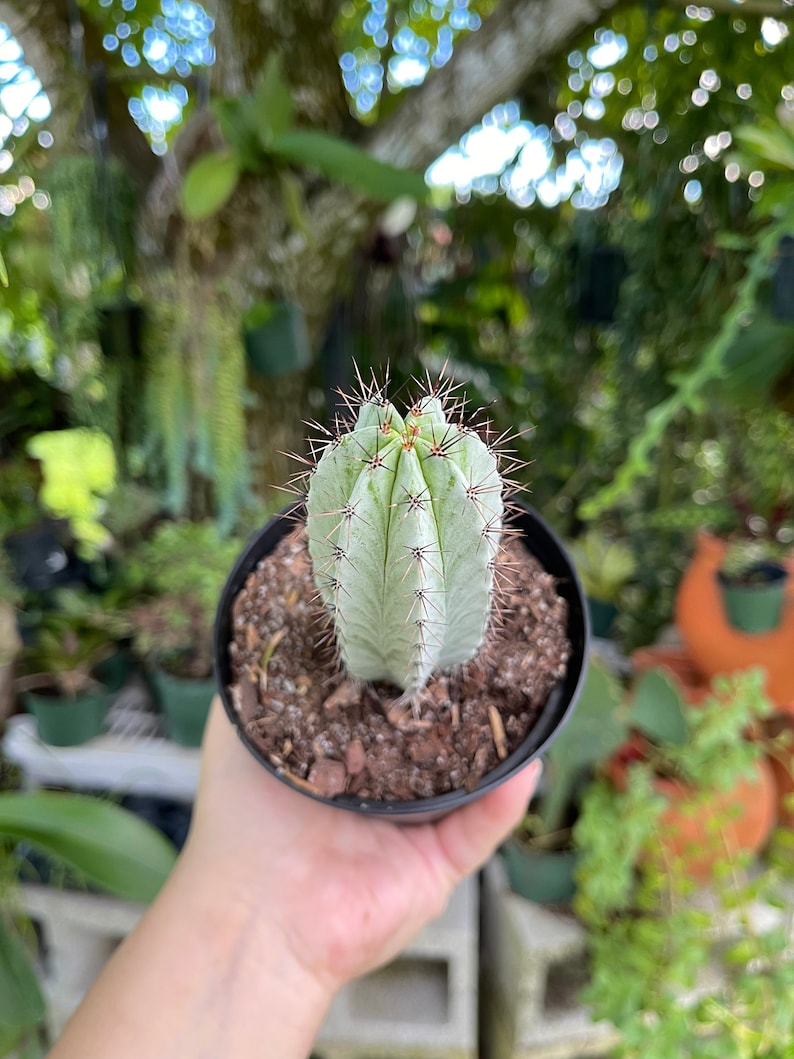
[185, 704]
[115, 671]
[541, 875]
[68, 721]
[602, 617]
[755, 608]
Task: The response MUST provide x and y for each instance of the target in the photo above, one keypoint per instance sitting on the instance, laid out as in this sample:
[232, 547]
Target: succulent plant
[404, 518]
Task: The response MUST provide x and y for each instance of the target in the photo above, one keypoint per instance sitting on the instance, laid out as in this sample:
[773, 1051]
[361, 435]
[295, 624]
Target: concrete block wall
[78, 933]
[423, 1004]
[534, 963]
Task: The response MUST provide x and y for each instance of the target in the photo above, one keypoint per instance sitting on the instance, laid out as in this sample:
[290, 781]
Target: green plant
[79, 472]
[69, 641]
[19, 486]
[195, 393]
[653, 934]
[404, 517]
[743, 557]
[605, 715]
[172, 582]
[260, 134]
[104, 845]
[604, 565]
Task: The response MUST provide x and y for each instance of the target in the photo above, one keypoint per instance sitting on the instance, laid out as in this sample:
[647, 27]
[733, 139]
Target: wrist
[249, 921]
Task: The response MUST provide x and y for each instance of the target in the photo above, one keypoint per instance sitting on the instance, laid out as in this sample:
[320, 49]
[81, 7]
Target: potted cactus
[357, 651]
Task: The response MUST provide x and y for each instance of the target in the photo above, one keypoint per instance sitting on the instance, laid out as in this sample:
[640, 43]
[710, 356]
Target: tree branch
[486, 68]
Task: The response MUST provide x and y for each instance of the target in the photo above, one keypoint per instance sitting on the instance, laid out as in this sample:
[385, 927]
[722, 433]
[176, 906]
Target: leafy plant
[173, 581]
[604, 565]
[743, 558]
[105, 845]
[652, 935]
[259, 133]
[195, 395]
[79, 472]
[19, 488]
[70, 640]
[603, 719]
[404, 517]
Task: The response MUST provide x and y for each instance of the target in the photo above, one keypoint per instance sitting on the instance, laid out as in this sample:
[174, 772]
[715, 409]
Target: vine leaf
[209, 184]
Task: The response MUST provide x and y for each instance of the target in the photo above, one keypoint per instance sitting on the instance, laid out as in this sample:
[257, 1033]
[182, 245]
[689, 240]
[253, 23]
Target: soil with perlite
[331, 735]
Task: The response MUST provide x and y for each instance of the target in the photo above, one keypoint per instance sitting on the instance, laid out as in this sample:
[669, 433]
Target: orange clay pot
[749, 812]
[715, 646]
[679, 665]
[780, 733]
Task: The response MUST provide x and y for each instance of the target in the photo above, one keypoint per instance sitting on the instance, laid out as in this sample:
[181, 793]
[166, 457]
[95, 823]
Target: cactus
[404, 518]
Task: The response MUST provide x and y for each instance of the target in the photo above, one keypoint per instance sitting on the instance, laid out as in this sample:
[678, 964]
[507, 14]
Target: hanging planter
[120, 329]
[276, 339]
[598, 272]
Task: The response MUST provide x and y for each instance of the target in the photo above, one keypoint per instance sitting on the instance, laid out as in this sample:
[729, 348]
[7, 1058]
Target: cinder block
[534, 963]
[423, 1004]
[78, 931]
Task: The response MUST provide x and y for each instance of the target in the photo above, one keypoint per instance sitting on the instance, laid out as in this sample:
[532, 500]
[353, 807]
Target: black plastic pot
[546, 547]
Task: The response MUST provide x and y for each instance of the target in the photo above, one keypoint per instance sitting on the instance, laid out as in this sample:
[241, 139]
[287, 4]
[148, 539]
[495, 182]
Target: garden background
[584, 211]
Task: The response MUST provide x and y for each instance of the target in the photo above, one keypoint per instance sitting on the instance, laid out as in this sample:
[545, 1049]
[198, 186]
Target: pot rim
[547, 548]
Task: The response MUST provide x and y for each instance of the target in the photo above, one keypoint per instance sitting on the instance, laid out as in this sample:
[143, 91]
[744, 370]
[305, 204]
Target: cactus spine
[404, 520]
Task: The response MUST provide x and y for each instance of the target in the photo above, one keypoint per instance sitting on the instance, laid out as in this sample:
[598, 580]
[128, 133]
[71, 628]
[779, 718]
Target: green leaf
[21, 1002]
[3, 272]
[657, 710]
[342, 161]
[593, 732]
[273, 102]
[771, 142]
[209, 184]
[107, 845]
[294, 204]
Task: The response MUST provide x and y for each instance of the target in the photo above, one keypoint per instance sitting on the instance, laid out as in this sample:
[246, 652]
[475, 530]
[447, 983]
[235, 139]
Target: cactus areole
[404, 517]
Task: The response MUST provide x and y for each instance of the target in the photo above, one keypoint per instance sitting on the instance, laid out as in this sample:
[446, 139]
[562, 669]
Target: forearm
[204, 974]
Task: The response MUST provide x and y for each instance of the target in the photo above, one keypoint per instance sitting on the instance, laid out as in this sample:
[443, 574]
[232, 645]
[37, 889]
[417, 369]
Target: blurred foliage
[651, 939]
[78, 474]
[173, 581]
[195, 394]
[682, 377]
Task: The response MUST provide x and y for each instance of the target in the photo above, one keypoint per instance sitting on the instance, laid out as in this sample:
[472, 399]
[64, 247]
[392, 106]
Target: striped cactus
[404, 517]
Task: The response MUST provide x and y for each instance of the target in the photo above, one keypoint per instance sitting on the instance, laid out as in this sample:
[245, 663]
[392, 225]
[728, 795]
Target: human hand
[276, 902]
[349, 892]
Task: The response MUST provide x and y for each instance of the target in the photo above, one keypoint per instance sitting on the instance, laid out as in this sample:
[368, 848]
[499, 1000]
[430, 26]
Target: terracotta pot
[680, 666]
[715, 646]
[780, 732]
[686, 831]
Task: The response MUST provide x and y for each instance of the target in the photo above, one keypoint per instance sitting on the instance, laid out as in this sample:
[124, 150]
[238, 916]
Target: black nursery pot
[547, 548]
